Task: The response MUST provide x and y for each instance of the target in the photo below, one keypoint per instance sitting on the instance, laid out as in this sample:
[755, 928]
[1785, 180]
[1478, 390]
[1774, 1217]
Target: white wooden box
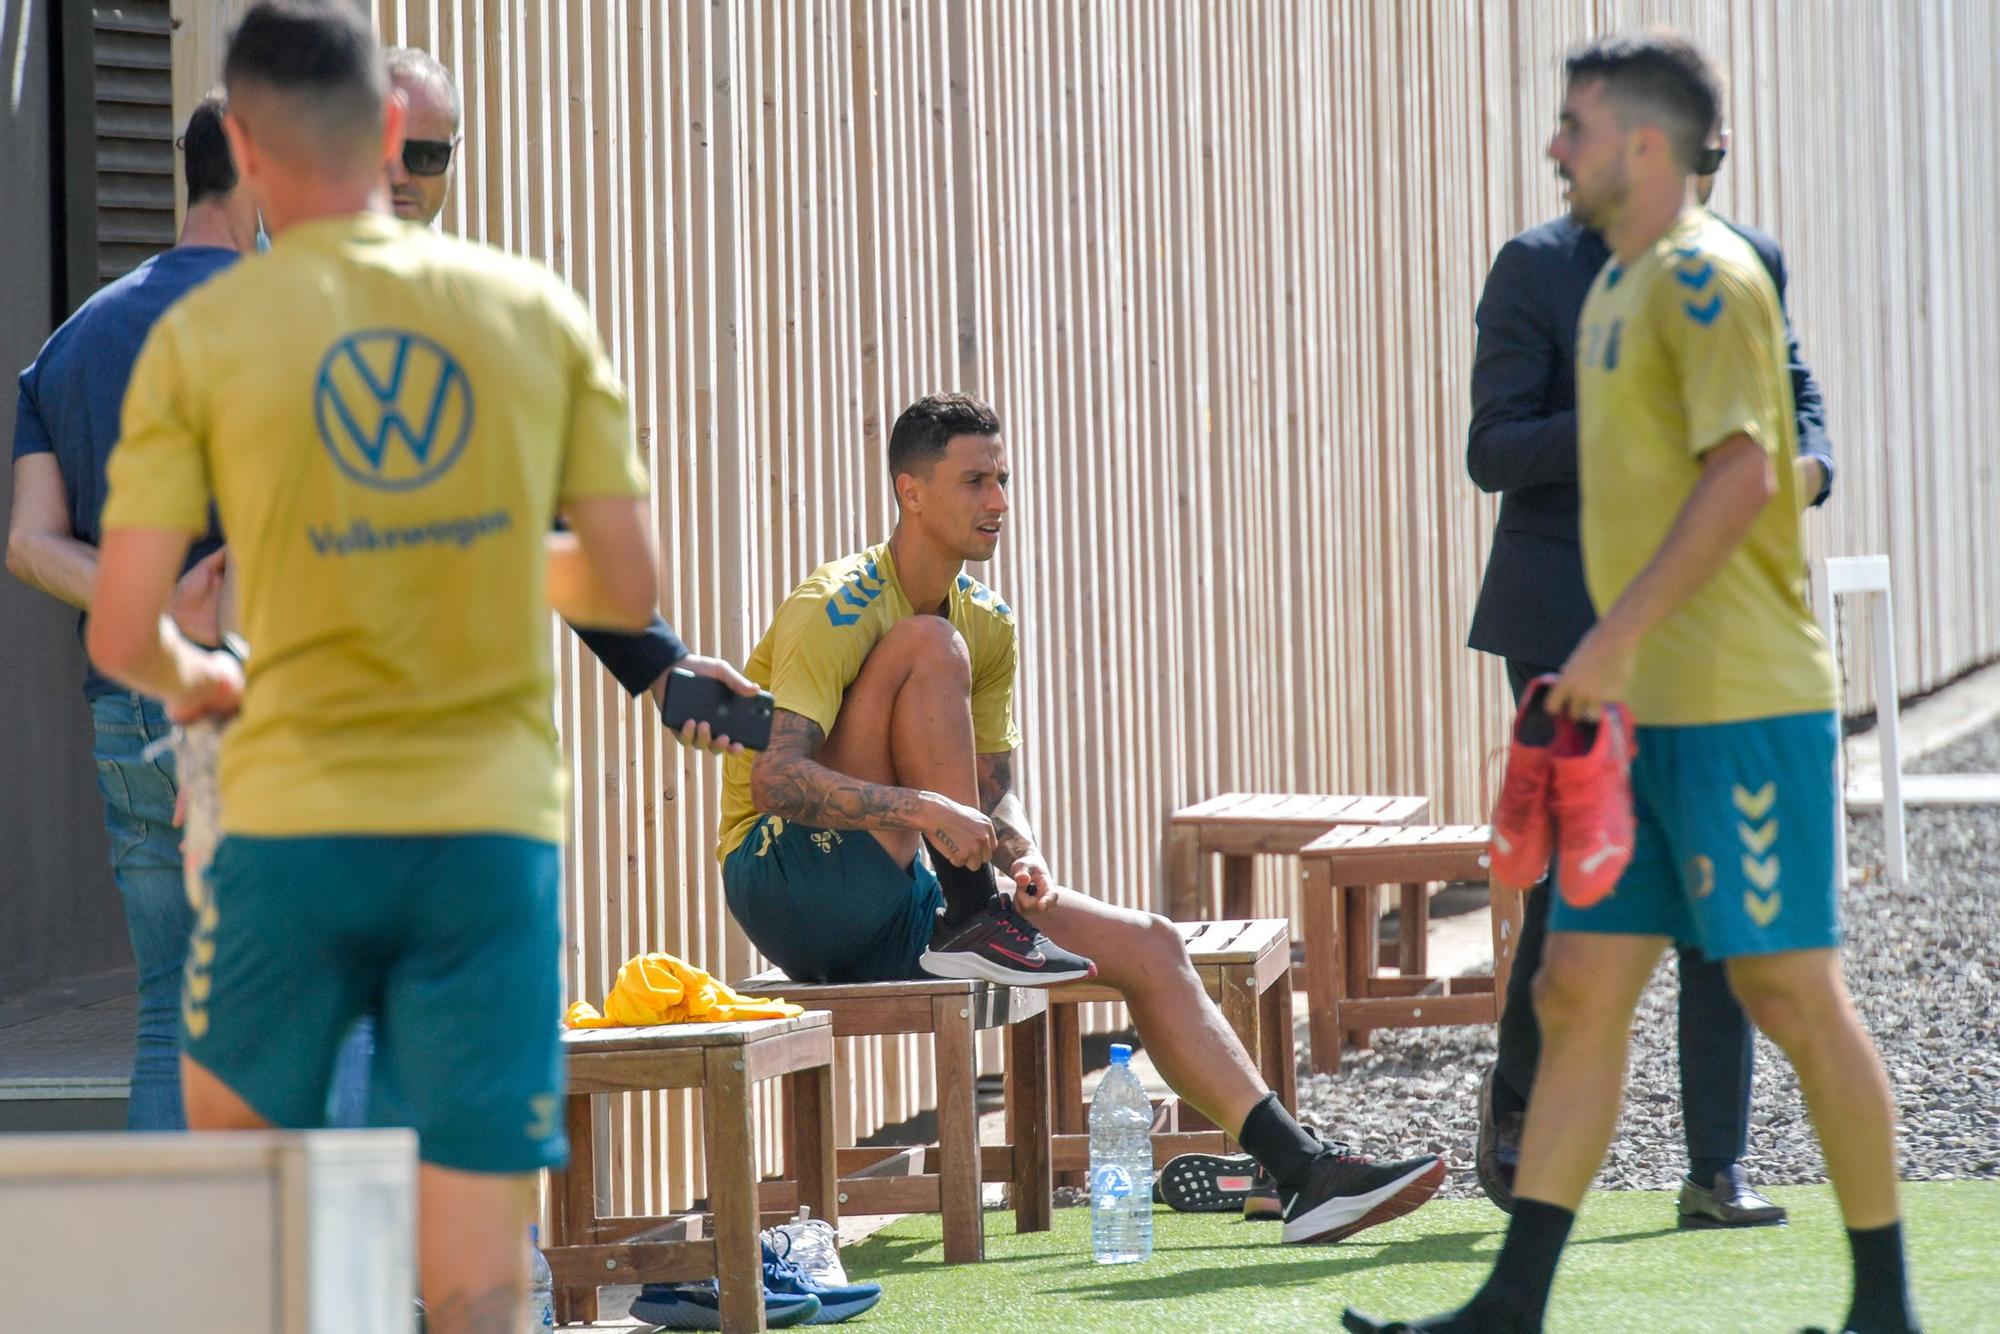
[253, 1233]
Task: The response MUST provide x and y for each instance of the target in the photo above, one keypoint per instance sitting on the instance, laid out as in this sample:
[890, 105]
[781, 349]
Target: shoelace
[1011, 928]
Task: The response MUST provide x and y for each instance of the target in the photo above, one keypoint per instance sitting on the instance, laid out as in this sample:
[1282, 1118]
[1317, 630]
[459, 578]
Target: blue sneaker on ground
[699, 1305]
[837, 1301]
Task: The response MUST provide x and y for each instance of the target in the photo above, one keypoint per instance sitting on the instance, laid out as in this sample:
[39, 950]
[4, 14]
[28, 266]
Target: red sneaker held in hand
[1592, 794]
[1524, 833]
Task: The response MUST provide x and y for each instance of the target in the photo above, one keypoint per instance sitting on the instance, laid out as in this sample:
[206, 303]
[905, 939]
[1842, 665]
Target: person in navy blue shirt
[1533, 608]
[65, 425]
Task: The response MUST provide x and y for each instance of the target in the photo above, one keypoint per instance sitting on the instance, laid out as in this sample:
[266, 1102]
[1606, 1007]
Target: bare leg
[473, 1249]
[1800, 1000]
[1184, 1034]
[212, 1104]
[907, 721]
[1585, 993]
[472, 1227]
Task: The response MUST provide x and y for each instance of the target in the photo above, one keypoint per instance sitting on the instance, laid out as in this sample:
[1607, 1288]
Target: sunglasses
[428, 157]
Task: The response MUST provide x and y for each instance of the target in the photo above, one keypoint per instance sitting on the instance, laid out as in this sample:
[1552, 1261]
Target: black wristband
[636, 660]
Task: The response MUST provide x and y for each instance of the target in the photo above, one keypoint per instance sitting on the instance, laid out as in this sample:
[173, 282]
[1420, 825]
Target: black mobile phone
[703, 699]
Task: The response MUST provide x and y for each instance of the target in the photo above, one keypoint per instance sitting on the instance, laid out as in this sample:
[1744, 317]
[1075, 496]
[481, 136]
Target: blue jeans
[146, 863]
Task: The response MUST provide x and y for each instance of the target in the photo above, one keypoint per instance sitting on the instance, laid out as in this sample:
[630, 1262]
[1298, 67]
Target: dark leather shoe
[1729, 1203]
[1499, 1149]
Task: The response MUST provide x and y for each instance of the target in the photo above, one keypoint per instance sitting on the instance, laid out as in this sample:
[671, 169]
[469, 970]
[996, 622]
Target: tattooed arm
[786, 781]
[1019, 855]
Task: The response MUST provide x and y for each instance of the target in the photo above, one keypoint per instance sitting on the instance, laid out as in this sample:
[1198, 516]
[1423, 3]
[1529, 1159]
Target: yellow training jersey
[825, 631]
[1677, 352]
[387, 420]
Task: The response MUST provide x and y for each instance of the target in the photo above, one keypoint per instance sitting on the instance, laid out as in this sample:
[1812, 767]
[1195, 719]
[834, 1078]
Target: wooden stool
[1242, 825]
[952, 1011]
[724, 1061]
[1344, 869]
[1246, 968]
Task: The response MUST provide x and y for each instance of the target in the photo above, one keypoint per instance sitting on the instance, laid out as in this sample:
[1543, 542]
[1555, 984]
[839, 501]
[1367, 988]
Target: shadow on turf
[1248, 1266]
[1253, 1265]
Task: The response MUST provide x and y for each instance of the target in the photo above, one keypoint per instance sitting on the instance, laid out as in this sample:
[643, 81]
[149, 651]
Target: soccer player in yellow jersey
[1690, 526]
[893, 676]
[389, 422]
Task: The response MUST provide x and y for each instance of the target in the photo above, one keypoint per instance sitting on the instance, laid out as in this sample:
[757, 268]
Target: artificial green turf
[1627, 1268]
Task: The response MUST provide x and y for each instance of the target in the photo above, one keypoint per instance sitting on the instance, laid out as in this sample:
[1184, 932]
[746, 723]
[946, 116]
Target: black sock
[966, 893]
[1506, 1102]
[1881, 1287]
[1517, 1292]
[1278, 1142]
[1703, 1171]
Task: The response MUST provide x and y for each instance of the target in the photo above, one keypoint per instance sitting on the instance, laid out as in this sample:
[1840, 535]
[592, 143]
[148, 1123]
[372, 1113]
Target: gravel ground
[1975, 754]
[1920, 963]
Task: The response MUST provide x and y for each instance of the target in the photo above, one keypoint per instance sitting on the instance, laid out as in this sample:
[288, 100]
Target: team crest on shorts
[1699, 876]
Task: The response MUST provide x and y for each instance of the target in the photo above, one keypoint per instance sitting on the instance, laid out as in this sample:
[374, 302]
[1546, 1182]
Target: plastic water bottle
[1121, 1165]
[541, 1286]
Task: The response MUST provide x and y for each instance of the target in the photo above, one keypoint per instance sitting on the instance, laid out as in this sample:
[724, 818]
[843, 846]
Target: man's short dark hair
[211, 171]
[321, 55]
[1656, 77]
[928, 425]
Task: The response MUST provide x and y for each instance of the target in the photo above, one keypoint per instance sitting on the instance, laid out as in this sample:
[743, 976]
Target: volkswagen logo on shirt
[394, 408]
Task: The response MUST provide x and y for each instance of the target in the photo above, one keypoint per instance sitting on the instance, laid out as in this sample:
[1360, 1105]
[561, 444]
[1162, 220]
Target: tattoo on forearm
[1015, 838]
[788, 782]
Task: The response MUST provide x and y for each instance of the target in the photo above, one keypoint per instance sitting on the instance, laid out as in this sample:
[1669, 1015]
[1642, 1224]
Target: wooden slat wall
[1216, 263]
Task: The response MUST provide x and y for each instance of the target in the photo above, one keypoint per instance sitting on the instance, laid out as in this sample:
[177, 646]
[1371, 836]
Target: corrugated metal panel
[1216, 263]
[134, 95]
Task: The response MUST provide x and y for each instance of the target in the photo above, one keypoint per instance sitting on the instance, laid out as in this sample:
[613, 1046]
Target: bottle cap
[1121, 1054]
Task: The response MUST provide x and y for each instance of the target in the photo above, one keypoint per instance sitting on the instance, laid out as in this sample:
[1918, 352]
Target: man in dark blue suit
[1533, 609]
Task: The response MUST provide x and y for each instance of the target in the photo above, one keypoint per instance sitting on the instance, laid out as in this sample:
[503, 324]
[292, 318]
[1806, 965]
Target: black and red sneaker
[997, 945]
[1346, 1193]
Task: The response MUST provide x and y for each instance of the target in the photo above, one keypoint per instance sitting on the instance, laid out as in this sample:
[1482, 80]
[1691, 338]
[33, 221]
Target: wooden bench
[1245, 967]
[724, 1061]
[952, 1012]
[1242, 825]
[1345, 870]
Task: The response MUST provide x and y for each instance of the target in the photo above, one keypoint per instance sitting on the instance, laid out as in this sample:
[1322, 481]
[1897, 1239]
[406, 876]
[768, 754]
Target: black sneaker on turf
[996, 945]
[1206, 1183]
[1345, 1193]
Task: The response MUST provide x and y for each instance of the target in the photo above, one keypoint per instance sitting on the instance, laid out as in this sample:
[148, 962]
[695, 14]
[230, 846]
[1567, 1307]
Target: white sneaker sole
[976, 968]
[1344, 1215]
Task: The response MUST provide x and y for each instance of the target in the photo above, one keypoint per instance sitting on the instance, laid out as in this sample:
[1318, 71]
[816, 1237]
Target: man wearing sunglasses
[421, 177]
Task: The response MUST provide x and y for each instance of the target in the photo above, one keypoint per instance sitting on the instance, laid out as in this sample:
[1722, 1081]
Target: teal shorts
[452, 942]
[830, 905]
[1734, 850]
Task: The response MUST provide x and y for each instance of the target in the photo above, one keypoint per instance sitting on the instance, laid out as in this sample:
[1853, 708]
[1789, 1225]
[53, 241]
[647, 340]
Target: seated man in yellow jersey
[388, 422]
[893, 676]
[1691, 545]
